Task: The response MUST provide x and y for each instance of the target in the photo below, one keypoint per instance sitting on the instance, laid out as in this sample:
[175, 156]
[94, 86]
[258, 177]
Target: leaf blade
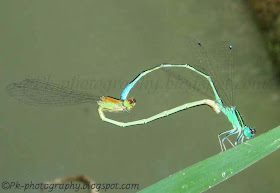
[218, 168]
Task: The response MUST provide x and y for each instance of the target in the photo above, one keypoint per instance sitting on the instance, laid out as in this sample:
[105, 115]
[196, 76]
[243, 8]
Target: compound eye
[253, 131]
[133, 100]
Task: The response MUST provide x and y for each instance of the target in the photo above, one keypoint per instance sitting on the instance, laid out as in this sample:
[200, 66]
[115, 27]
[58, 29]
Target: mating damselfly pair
[34, 91]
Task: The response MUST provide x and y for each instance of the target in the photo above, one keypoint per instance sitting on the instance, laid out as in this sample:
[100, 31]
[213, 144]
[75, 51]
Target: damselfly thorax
[112, 104]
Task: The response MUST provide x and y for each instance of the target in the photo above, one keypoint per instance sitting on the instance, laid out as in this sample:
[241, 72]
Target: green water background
[112, 41]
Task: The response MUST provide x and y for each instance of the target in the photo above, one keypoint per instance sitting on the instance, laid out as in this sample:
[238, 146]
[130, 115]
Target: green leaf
[212, 171]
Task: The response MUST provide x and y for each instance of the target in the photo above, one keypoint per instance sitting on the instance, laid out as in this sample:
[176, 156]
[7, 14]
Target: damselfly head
[249, 132]
[129, 102]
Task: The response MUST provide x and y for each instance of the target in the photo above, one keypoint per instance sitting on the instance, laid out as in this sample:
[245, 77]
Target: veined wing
[214, 60]
[189, 84]
[37, 92]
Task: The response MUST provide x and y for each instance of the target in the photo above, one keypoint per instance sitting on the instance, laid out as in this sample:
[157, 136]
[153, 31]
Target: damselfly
[208, 71]
[34, 91]
[38, 92]
[220, 72]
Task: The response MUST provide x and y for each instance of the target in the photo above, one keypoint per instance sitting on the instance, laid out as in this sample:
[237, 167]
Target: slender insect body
[43, 93]
[234, 117]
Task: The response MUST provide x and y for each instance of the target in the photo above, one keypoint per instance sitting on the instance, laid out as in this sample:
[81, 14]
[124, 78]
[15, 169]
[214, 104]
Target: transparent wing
[36, 92]
[215, 60]
[224, 58]
[189, 83]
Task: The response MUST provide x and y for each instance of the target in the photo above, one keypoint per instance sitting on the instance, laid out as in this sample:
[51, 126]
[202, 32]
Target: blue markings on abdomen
[125, 91]
[129, 86]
